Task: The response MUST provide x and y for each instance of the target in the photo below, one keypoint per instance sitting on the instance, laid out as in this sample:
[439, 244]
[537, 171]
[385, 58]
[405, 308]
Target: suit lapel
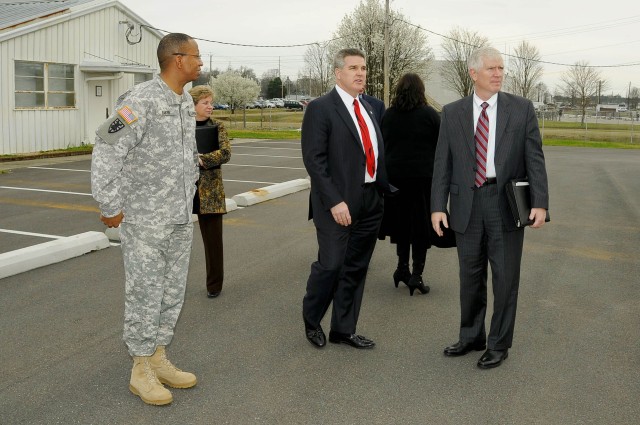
[345, 116]
[468, 126]
[502, 118]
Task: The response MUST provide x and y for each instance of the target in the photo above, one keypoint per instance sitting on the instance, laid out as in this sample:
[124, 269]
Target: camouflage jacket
[210, 187]
[145, 159]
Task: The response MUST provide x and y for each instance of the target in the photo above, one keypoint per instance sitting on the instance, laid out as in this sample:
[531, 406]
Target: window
[44, 85]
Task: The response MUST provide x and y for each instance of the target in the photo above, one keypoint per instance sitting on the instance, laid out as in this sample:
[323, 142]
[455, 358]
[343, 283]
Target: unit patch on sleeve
[113, 129]
[115, 126]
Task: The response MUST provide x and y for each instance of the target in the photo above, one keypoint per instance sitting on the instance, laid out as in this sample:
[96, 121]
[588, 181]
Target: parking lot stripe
[40, 235]
[268, 156]
[57, 205]
[246, 181]
[263, 166]
[267, 147]
[60, 169]
[45, 190]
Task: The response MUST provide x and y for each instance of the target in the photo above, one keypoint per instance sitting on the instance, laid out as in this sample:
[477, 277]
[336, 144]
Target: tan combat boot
[145, 384]
[167, 373]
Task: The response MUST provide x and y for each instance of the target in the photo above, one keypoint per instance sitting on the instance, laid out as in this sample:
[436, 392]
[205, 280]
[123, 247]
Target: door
[99, 105]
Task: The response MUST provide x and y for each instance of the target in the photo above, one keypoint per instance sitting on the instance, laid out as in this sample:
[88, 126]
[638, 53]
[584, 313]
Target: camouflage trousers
[156, 263]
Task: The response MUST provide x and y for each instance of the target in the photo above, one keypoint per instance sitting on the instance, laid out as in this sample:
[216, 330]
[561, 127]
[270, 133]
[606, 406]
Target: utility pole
[281, 83]
[210, 69]
[386, 54]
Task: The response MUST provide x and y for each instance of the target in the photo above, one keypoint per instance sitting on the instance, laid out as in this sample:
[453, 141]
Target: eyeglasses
[187, 54]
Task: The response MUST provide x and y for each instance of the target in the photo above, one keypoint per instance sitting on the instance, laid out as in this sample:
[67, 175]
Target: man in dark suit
[343, 153]
[486, 140]
[376, 104]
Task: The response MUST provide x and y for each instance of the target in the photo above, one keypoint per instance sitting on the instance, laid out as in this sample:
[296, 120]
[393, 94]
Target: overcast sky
[565, 31]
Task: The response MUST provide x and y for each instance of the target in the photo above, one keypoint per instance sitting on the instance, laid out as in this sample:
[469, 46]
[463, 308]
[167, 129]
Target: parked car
[293, 104]
[222, 106]
[268, 104]
[278, 102]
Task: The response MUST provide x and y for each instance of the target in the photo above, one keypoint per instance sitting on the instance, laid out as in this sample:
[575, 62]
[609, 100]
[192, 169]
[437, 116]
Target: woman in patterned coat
[209, 201]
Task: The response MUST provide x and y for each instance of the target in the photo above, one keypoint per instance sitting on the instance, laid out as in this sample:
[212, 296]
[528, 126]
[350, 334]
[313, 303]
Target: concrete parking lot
[575, 359]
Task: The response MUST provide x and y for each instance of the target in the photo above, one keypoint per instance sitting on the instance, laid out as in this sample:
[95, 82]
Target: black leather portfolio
[207, 139]
[519, 196]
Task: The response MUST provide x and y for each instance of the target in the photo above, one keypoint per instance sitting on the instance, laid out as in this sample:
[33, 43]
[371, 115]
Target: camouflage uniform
[145, 165]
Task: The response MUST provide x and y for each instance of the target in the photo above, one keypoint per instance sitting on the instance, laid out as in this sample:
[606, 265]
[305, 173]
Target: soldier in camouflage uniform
[143, 175]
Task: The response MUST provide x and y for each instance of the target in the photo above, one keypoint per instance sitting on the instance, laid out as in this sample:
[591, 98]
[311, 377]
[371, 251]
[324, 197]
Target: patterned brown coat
[210, 187]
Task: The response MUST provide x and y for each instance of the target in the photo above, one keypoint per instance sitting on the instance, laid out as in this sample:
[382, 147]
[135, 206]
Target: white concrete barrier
[271, 192]
[231, 204]
[22, 260]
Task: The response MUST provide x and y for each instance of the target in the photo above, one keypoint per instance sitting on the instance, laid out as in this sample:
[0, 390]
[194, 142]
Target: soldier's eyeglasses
[187, 54]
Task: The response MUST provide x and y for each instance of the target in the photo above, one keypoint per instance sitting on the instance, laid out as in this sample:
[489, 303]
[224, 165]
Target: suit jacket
[334, 158]
[210, 196]
[518, 153]
[377, 105]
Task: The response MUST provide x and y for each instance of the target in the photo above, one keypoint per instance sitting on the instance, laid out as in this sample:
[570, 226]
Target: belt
[490, 180]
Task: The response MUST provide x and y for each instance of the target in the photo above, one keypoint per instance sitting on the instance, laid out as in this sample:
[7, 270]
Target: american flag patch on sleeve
[127, 115]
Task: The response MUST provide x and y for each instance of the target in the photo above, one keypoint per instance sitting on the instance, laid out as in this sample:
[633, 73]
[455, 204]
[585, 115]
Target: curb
[44, 254]
[271, 192]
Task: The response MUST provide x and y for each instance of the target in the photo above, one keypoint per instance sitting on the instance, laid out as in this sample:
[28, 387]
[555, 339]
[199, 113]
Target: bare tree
[319, 67]
[364, 29]
[246, 72]
[235, 90]
[524, 71]
[582, 82]
[458, 46]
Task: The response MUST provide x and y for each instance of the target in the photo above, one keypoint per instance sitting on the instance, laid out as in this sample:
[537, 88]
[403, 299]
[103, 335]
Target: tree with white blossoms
[525, 71]
[364, 29]
[458, 46]
[231, 88]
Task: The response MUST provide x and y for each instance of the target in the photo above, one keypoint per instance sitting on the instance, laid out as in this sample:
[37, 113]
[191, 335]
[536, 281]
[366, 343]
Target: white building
[62, 66]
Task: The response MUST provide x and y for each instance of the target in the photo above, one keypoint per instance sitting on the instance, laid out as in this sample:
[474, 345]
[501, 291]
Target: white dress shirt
[492, 110]
[348, 102]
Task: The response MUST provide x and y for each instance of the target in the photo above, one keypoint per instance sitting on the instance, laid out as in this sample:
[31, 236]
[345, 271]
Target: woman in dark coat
[209, 202]
[410, 131]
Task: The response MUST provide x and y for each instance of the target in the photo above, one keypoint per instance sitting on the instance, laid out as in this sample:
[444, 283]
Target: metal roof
[16, 12]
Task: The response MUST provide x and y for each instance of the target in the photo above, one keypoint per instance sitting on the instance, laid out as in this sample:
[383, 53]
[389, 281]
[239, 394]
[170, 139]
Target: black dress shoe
[316, 337]
[353, 340]
[213, 294]
[492, 358]
[462, 348]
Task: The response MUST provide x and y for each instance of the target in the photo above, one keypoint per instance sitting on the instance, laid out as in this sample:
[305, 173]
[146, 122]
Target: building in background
[63, 64]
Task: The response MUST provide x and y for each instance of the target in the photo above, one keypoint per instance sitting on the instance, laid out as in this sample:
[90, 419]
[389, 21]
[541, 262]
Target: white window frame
[46, 91]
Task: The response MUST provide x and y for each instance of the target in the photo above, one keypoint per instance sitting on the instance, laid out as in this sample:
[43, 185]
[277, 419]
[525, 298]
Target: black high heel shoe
[416, 282]
[402, 274]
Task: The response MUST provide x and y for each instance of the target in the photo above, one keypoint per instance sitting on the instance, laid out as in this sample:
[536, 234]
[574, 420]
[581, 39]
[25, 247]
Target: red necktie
[366, 140]
[482, 145]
